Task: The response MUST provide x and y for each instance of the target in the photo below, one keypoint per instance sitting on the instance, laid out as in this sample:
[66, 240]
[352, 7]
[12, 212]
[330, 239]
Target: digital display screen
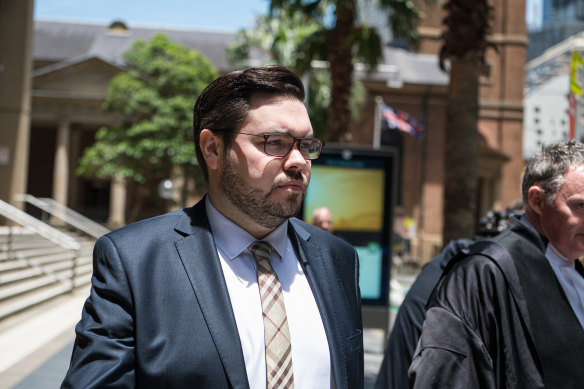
[357, 190]
[353, 194]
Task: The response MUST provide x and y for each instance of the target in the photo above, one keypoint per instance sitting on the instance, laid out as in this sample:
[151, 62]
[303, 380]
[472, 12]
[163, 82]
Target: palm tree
[288, 38]
[340, 39]
[464, 45]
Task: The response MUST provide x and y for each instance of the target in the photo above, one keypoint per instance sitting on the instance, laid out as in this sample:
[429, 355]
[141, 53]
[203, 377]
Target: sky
[533, 13]
[219, 15]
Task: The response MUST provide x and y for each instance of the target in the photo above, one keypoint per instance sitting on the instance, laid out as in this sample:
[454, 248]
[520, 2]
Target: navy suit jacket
[159, 314]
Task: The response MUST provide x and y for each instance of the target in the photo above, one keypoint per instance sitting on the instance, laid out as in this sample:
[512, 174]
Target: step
[25, 273]
[35, 252]
[12, 264]
[23, 303]
[23, 244]
[11, 291]
[20, 263]
[40, 296]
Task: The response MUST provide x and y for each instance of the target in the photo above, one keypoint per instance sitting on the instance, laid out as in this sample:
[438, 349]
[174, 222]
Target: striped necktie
[276, 334]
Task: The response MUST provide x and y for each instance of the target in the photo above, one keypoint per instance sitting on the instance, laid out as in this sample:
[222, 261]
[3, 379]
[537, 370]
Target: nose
[294, 159]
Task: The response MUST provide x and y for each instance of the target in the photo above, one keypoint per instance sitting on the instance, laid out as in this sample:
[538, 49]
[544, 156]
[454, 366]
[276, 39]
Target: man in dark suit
[233, 292]
[510, 314]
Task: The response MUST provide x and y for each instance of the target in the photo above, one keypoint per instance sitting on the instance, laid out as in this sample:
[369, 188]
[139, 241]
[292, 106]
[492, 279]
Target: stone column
[16, 30]
[117, 209]
[61, 170]
[74, 181]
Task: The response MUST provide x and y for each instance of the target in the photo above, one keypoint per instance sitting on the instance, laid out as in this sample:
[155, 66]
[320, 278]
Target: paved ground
[36, 346]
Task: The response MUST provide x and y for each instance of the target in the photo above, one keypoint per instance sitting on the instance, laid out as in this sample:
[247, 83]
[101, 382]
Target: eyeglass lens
[280, 145]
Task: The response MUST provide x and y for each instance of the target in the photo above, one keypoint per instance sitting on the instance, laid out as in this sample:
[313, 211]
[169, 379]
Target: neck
[535, 220]
[227, 209]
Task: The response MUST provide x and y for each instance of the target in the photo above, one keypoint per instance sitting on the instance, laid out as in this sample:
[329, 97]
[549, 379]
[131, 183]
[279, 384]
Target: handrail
[66, 214]
[38, 227]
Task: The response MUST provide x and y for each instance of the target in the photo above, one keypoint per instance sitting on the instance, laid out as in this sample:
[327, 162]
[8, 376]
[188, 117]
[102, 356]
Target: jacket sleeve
[459, 332]
[103, 353]
[450, 355]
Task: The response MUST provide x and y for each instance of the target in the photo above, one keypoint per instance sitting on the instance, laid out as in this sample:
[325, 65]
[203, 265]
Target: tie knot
[261, 250]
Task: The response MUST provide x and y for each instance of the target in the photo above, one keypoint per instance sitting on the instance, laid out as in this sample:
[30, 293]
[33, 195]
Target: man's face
[267, 189]
[562, 221]
[324, 219]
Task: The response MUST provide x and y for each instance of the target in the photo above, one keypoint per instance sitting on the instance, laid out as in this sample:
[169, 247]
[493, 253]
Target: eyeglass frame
[266, 136]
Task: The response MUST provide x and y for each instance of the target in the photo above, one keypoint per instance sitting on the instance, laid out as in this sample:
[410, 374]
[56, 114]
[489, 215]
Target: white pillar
[61, 169]
[16, 30]
[117, 209]
[377, 123]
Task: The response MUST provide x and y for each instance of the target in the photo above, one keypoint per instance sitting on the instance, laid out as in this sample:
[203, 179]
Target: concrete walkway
[35, 347]
[30, 340]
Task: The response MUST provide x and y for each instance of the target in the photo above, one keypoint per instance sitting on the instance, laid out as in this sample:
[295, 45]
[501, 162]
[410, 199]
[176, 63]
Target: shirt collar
[554, 255]
[232, 240]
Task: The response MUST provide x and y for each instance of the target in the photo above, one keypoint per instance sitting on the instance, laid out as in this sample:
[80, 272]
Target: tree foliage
[154, 98]
[294, 39]
[340, 39]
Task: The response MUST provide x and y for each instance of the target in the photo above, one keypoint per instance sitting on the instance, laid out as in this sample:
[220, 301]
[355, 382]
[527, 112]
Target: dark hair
[225, 102]
[548, 167]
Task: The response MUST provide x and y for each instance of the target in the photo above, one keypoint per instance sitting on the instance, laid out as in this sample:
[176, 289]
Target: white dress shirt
[571, 281]
[310, 351]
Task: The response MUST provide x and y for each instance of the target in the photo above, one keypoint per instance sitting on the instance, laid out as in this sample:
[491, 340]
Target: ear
[535, 199]
[211, 145]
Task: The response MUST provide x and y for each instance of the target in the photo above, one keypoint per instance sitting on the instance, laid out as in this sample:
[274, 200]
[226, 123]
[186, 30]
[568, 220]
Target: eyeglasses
[279, 145]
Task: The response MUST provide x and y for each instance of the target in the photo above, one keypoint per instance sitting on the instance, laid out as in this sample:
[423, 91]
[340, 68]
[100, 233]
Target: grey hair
[548, 167]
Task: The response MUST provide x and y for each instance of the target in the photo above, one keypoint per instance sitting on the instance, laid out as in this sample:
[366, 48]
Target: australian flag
[398, 120]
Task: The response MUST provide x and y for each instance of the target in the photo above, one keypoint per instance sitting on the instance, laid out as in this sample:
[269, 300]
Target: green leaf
[154, 97]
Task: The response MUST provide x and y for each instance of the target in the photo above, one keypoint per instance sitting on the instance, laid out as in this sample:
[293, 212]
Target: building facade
[561, 19]
[500, 123]
[547, 86]
[72, 65]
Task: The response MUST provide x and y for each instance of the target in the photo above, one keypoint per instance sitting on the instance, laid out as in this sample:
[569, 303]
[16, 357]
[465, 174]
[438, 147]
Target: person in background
[406, 330]
[510, 313]
[322, 217]
[404, 336]
[233, 292]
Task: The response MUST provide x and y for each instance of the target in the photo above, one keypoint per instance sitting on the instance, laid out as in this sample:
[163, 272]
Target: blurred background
[439, 102]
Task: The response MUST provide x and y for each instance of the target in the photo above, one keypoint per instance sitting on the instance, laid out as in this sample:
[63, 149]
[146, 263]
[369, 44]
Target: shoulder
[474, 279]
[145, 232]
[473, 266]
[317, 235]
[154, 223]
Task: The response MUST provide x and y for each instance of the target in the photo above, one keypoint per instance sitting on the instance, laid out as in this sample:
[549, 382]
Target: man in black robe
[511, 313]
[393, 373]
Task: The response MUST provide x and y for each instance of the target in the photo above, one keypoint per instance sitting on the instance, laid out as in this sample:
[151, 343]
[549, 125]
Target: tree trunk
[461, 151]
[341, 70]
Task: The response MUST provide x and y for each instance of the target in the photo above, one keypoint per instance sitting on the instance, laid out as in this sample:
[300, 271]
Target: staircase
[39, 262]
[34, 270]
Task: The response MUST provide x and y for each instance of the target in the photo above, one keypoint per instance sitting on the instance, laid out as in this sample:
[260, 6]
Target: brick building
[73, 63]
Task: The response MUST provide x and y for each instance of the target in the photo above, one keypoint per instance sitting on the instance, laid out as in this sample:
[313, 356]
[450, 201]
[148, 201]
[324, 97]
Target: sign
[576, 74]
[358, 188]
[575, 95]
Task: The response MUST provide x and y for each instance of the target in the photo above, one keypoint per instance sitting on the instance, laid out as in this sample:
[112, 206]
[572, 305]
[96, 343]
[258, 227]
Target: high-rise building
[561, 20]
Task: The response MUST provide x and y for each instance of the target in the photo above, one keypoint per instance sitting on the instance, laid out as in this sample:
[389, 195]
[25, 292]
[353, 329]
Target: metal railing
[69, 216]
[44, 230]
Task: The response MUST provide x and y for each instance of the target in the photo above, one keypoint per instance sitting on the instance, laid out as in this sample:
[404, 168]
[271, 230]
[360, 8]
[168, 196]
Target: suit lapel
[198, 254]
[328, 294]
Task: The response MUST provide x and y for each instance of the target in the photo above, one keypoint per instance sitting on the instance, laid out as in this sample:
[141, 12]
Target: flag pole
[377, 123]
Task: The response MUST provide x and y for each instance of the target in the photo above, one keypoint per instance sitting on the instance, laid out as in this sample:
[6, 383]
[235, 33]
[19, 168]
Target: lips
[292, 185]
